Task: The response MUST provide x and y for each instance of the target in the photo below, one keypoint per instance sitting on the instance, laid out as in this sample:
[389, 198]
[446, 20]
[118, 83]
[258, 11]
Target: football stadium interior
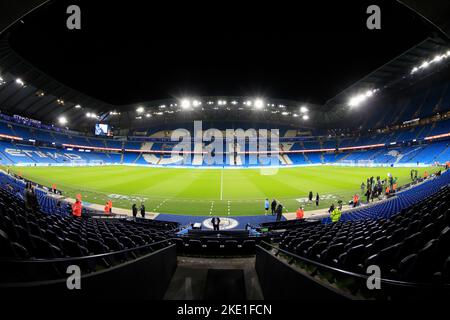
[205, 196]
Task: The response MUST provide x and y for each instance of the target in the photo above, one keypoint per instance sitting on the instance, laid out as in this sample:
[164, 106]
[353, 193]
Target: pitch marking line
[160, 205]
[221, 185]
[212, 207]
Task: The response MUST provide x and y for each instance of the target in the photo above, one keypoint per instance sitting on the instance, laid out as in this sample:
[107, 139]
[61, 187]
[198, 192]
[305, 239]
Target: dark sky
[129, 52]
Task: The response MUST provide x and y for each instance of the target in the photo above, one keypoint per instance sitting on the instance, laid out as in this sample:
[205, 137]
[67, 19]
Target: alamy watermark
[73, 281]
[232, 147]
[373, 282]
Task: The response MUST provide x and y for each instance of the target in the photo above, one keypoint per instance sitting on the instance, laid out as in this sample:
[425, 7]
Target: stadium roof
[45, 98]
[394, 75]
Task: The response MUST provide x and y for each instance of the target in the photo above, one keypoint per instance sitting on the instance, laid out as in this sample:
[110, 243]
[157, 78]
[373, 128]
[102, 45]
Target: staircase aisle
[214, 279]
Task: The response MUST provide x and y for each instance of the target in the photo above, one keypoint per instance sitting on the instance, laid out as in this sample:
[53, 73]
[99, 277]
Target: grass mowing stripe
[192, 191]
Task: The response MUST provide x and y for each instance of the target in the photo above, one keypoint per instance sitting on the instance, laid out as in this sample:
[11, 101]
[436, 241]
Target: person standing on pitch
[317, 199]
[310, 196]
[279, 211]
[134, 210]
[266, 206]
[215, 221]
[273, 206]
[142, 210]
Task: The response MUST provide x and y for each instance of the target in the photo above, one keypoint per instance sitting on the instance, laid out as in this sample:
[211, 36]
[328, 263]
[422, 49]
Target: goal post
[346, 163]
[366, 163]
[78, 163]
[96, 163]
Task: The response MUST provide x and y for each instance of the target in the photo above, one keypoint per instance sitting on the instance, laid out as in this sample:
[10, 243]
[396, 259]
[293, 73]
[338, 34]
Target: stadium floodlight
[77, 106]
[303, 109]
[284, 113]
[295, 115]
[148, 115]
[1, 81]
[234, 102]
[438, 58]
[424, 65]
[196, 103]
[259, 103]
[369, 93]
[62, 120]
[222, 102]
[248, 103]
[305, 117]
[140, 109]
[88, 114]
[358, 99]
[20, 81]
[185, 104]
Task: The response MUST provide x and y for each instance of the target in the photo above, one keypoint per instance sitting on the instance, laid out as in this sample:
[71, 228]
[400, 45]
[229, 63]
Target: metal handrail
[353, 274]
[71, 259]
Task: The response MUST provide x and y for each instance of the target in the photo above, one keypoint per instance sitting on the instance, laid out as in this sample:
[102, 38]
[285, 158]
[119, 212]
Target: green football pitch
[210, 191]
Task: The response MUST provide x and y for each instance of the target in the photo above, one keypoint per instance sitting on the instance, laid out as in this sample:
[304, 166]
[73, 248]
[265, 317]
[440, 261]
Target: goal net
[365, 163]
[346, 163]
[78, 163]
[96, 163]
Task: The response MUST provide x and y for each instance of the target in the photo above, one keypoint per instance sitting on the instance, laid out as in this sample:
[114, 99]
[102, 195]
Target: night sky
[127, 52]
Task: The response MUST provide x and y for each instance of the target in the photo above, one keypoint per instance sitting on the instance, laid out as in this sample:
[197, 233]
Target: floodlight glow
[140, 109]
[88, 114]
[20, 81]
[148, 115]
[185, 104]
[62, 120]
[284, 113]
[358, 99]
[303, 109]
[248, 103]
[259, 103]
[438, 58]
[424, 65]
[305, 117]
[77, 106]
[196, 103]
